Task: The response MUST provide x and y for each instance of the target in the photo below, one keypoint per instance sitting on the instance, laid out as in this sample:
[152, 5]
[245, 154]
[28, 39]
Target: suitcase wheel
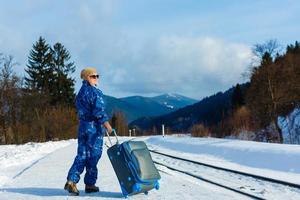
[136, 187]
[146, 192]
[156, 185]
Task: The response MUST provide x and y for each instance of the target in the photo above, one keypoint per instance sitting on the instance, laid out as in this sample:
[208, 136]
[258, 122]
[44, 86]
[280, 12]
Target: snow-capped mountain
[138, 106]
[174, 101]
[210, 110]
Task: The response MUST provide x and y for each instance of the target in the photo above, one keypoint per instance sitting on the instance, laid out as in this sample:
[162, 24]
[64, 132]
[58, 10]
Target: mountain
[114, 104]
[209, 111]
[174, 101]
[138, 106]
[147, 106]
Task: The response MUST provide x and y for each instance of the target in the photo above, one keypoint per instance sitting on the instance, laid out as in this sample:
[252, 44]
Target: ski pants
[89, 151]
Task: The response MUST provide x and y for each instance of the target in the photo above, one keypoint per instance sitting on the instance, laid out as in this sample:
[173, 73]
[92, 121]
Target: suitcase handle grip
[113, 131]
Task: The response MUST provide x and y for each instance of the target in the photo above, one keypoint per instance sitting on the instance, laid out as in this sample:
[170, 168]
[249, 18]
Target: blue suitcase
[133, 166]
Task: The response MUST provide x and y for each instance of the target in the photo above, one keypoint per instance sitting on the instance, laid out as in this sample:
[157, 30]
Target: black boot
[71, 188]
[91, 188]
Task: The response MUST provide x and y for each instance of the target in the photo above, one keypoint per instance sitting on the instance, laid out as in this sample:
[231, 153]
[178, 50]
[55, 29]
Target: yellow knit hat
[86, 72]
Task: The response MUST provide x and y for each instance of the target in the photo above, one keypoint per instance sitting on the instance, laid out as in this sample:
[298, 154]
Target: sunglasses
[94, 76]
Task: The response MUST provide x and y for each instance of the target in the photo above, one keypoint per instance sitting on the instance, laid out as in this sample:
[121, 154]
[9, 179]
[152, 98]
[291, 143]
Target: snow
[279, 161]
[169, 106]
[290, 127]
[171, 95]
[175, 96]
[14, 158]
[45, 179]
[250, 185]
[38, 170]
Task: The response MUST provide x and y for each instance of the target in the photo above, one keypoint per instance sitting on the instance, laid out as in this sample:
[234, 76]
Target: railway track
[233, 175]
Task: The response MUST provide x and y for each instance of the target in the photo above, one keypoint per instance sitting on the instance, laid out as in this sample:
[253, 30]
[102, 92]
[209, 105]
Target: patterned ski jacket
[90, 105]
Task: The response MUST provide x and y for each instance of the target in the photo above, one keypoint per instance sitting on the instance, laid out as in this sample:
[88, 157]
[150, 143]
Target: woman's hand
[108, 127]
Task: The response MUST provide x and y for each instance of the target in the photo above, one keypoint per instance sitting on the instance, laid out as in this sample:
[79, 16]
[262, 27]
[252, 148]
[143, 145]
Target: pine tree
[237, 97]
[62, 88]
[264, 93]
[38, 67]
[49, 70]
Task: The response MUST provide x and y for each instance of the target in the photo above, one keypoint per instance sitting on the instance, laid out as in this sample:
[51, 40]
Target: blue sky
[148, 47]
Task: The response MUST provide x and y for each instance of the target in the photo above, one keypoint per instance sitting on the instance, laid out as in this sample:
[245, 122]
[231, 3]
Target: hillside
[146, 106]
[114, 104]
[174, 101]
[208, 111]
[138, 106]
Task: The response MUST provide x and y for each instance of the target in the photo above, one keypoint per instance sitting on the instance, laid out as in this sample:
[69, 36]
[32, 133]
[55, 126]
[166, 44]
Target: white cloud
[194, 66]
[167, 62]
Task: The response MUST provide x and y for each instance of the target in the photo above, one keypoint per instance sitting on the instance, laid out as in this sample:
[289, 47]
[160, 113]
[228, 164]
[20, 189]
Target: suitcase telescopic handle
[113, 131]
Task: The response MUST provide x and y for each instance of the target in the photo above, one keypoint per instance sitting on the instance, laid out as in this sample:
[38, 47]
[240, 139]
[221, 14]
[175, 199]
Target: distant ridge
[208, 111]
[138, 106]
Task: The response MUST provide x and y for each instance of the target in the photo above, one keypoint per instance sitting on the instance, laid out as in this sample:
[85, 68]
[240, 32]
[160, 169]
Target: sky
[149, 47]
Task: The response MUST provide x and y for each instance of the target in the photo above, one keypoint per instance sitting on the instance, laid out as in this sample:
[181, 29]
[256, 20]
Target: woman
[92, 117]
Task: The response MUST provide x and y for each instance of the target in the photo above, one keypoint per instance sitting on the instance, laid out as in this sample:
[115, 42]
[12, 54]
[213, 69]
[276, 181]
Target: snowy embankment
[16, 158]
[278, 161]
[44, 176]
[38, 170]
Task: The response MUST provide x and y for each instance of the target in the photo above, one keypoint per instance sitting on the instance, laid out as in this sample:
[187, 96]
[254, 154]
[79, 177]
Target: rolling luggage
[133, 166]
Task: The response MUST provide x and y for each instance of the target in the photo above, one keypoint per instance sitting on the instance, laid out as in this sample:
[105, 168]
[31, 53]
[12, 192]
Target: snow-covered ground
[38, 170]
[278, 161]
[16, 158]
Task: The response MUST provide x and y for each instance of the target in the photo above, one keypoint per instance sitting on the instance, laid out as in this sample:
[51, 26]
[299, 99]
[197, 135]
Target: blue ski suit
[91, 113]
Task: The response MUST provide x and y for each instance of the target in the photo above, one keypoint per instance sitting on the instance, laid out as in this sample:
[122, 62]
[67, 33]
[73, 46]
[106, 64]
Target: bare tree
[275, 86]
[9, 97]
[271, 47]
